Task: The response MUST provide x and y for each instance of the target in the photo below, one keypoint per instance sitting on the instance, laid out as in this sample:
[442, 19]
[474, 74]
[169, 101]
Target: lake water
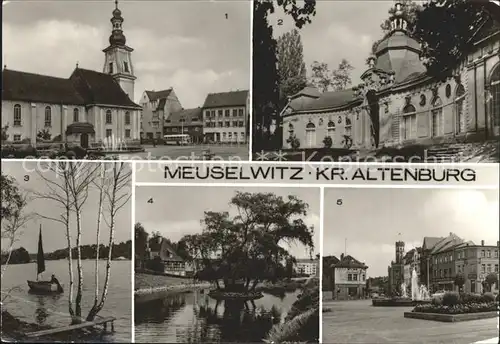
[53, 309]
[197, 318]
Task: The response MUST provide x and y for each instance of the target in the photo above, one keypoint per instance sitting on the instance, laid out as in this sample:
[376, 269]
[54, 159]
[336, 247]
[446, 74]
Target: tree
[265, 75]
[326, 80]
[459, 281]
[141, 242]
[58, 191]
[491, 279]
[5, 135]
[321, 76]
[245, 249]
[342, 76]
[291, 66]
[327, 142]
[446, 29]
[116, 188]
[410, 9]
[68, 188]
[44, 134]
[13, 214]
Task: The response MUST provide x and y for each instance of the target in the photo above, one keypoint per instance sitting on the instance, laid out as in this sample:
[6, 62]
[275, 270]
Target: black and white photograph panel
[66, 252]
[420, 266]
[226, 264]
[137, 79]
[398, 81]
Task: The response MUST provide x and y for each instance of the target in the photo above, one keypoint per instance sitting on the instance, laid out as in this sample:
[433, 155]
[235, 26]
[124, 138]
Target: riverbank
[148, 287]
[15, 330]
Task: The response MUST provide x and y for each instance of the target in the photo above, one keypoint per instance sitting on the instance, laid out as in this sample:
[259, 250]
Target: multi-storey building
[475, 262]
[349, 278]
[225, 117]
[307, 267]
[186, 121]
[443, 262]
[425, 260]
[157, 107]
[86, 109]
[400, 103]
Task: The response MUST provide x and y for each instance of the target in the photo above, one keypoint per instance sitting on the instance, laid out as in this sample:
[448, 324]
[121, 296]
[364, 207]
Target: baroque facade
[399, 104]
[87, 108]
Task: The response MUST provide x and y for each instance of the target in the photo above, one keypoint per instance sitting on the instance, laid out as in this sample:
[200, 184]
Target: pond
[195, 317]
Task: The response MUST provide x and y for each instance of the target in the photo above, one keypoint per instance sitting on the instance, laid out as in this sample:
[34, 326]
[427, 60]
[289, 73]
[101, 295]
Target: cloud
[169, 51]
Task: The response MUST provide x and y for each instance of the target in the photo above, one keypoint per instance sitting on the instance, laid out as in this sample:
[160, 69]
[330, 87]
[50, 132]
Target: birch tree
[116, 190]
[67, 184]
[80, 176]
[14, 216]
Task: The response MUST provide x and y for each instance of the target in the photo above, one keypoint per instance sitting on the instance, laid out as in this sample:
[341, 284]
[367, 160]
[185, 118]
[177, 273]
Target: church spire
[117, 37]
[398, 20]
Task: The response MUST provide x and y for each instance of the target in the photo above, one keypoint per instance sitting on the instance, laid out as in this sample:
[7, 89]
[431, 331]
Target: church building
[398, 103]
[87, 109]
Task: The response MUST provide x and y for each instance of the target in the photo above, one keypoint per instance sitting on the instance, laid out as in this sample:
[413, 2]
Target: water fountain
[419, 294]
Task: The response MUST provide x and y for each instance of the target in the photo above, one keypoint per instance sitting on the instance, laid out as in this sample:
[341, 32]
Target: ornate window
[448, 91]
[460, 109]
[409, 122]
[310, 135]
[48, 116]
[423, 100]
[76, 115]
[331, 129]
[108, 117]
[437, 117]
[127, 118]
[495, 96]
[348, 126]
[17, 115]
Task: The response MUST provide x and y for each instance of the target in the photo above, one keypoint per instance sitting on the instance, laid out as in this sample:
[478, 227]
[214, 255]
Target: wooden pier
[86, 324]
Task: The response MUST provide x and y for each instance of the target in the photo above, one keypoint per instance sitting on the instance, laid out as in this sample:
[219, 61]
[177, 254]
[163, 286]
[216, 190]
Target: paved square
[360, 322]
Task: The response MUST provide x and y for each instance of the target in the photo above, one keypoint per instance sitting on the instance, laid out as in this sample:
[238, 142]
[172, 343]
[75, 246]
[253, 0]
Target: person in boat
[54, 280]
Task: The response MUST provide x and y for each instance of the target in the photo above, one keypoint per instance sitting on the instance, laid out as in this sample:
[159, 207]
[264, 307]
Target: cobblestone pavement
[360, 322]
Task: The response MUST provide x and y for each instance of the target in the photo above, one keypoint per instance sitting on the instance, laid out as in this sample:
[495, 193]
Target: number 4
[150, 200]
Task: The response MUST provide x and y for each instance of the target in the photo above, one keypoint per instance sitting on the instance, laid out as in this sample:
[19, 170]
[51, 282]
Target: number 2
[280, 21]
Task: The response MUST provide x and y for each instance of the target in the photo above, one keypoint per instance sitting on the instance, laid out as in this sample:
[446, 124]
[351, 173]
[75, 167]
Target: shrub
[488, 297]
[457, 309]
[328, 142]
[437, 300]
[451, 299]
[294, 142]
[468, 298]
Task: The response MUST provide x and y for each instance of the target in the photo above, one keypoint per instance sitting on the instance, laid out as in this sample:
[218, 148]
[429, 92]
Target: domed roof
[117, 13]
[117, 38]
[398, 39]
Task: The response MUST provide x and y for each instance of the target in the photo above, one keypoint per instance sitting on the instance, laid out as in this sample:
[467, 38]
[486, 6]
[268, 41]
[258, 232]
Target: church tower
[118, 59]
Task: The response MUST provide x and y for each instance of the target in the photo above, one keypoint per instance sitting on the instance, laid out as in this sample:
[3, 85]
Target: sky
[188, 45]
[369, 221]
[54, 233]
[340, 29]
[178, 210]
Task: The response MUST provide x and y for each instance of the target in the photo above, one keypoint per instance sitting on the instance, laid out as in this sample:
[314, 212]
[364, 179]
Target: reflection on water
[195, 317]
[52, 310]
